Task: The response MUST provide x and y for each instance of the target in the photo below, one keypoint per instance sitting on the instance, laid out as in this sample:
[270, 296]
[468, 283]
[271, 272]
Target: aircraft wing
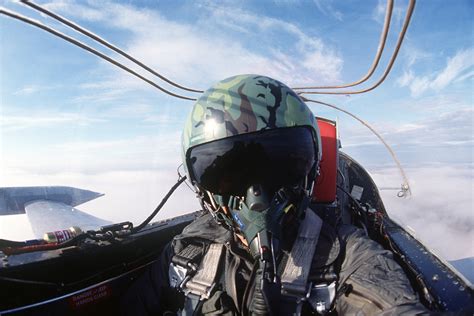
[47, 216]
[50, 208]
[13, 199]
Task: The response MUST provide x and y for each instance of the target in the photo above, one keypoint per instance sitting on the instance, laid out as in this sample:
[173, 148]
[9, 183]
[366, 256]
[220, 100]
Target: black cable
[4, 243]
[90, 50]
[350, 195]
[245, 299]
[187, 184]
[103, 42]
[360, 208]
[30, 282]
[158, 208]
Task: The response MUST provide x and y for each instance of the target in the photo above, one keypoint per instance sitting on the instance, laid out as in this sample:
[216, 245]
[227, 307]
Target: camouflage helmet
[245, 104]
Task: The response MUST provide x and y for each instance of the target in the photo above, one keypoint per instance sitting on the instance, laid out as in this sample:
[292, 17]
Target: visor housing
[272, 158]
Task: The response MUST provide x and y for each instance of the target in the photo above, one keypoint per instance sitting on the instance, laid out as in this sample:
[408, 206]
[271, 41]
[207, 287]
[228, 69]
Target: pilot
[251, 148]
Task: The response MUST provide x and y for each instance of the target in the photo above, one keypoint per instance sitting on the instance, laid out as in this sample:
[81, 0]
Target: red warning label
[90, 296]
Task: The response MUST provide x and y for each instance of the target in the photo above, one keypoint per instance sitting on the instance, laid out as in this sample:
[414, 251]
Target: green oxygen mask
[259, 217]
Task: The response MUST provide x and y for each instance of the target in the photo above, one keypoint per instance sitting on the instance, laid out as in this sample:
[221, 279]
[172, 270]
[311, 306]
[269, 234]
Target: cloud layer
[441, 210]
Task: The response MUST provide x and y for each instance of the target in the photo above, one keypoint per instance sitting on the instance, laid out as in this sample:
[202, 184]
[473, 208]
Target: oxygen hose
[267, 287]
[158, 208]
[258, 305]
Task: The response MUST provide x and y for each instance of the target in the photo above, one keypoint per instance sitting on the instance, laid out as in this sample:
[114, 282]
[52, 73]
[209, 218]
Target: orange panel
[325, 187]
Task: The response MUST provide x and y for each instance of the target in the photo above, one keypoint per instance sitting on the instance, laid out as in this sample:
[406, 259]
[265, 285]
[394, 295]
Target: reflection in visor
[272, 158]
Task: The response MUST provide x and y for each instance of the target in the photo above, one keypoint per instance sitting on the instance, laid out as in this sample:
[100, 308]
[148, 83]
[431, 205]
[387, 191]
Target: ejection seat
[325, 187]
[324, 190]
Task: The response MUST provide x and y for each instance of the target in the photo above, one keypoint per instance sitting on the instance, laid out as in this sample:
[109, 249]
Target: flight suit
[368, 279]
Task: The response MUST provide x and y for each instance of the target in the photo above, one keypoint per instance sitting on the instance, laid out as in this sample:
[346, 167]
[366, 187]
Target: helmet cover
[245, 104]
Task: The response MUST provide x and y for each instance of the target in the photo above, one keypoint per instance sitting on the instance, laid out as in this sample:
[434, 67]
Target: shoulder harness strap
[193, 273]
[203, 282]
[295, 277]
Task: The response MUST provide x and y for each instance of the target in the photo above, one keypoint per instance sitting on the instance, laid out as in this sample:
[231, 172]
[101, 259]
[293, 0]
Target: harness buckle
[322, 296]
[209, 292]
[177, 275]
[199, 281]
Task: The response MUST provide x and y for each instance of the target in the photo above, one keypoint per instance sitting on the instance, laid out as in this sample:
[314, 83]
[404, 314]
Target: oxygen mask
[261, 216]
[258, 217]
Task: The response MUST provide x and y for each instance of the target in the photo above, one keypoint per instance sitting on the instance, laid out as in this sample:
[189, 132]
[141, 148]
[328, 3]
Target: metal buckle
[322, 296]
[297, 296]
[178, 275]
[209, 291]
[200, 295]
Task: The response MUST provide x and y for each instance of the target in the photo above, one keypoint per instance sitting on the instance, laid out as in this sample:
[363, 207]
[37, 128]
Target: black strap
[191, 254]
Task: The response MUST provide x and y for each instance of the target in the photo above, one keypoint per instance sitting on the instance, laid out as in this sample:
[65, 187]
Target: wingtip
[13, 199]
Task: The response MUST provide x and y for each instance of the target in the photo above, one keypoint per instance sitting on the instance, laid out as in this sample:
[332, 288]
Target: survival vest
[214, 272]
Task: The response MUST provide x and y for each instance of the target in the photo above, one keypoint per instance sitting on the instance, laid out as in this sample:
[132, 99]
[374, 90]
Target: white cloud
[432, 104]
[458, 68]
[435, 131]
[379, 12]
[442, 128]
[34, 88]
[441, 210]
[159, 119]
[456, 65]
[15, 227]
[444, 137]
[200, 51]
[414, 54]
[83, 12]
[27, 90]
[466, 76]
[103, 95]
[327, 8]
[159, 151]
[324, 63]
[87, 146]
[135, 144]
[35, 120]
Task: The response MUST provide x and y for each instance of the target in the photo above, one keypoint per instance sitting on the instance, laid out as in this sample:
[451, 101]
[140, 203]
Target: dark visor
[273, 158]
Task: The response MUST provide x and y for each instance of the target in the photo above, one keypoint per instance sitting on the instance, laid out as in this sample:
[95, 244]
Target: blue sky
[69, 118]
